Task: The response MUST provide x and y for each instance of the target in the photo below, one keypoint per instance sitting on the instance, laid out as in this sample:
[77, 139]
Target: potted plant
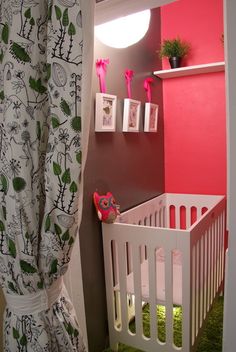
[174, 50]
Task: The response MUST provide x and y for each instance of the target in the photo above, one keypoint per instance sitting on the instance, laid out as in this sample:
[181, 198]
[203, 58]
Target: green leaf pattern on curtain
[40, 162]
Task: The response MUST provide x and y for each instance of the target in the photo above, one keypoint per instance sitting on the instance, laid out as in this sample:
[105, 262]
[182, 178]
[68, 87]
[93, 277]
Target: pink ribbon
[128, 76]
[101, 68]
[147, 86]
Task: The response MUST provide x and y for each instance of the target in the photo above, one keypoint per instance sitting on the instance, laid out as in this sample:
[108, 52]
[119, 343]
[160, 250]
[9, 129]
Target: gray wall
[130, 165]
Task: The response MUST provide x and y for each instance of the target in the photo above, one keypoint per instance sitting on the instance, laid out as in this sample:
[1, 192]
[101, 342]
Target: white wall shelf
[191, 70]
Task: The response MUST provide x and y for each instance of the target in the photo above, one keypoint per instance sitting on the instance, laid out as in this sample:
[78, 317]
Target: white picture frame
[151, 117]
[105, 112]
[131, 116]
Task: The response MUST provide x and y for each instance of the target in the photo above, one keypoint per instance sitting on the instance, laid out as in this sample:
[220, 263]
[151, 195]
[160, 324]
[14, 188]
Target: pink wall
[194, 106]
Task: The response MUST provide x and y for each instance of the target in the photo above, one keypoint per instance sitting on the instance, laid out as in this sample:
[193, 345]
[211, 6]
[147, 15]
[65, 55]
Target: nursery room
[185, 155]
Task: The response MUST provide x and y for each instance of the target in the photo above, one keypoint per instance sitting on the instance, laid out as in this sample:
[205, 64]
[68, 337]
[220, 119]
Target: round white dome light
[124, 31]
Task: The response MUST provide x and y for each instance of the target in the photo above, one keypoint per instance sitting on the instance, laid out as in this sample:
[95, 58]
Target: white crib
[168, 251]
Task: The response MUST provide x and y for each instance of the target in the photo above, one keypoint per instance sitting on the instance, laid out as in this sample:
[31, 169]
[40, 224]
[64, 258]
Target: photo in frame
[131, 116]
[151, 117]
[105, 114]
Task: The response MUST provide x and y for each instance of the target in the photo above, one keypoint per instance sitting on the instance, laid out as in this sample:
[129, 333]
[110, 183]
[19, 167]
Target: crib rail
[150, 213]
[170, 210]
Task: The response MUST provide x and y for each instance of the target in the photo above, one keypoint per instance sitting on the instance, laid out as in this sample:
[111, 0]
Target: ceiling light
[124, 31]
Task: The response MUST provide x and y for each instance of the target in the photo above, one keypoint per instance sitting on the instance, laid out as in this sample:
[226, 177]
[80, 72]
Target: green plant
[174, 48]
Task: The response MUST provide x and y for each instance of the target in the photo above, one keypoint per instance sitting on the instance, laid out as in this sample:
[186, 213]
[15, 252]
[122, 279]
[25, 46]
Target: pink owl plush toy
[107, 209]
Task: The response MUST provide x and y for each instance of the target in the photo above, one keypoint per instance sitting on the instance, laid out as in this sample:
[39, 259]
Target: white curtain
[46, 56]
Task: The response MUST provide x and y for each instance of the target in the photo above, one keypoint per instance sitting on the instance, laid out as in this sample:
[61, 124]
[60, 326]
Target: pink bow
[147, 86]
[101, 67]
[128, 76]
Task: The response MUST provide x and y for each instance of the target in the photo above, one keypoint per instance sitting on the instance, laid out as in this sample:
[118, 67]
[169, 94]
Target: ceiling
[107, 10]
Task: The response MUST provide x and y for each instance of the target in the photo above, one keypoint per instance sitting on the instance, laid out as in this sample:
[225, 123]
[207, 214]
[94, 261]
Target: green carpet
[211, 339]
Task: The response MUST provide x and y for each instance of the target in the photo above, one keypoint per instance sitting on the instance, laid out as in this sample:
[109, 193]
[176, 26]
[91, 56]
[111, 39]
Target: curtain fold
[43, 80]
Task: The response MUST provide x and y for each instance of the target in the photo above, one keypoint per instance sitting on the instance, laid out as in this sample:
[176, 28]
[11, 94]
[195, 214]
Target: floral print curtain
[41, 66]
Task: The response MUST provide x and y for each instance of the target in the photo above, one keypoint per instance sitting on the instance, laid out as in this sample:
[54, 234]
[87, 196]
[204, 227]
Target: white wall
[230, 281]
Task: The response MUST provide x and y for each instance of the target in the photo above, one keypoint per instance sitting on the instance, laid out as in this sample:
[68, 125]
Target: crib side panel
[184, 245]
[150, 213]
[170, 210]
[198, 200]
[135, 237]
[207, 263]
[183, 210]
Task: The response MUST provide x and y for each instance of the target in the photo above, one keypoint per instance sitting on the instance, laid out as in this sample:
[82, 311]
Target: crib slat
[214, 258]
[209, 269]
[129, 258]
[177, 217]
[210, 265]
[186, 301]
[169, 296]
[166, 216]
[193, 308]
[109, 281]
[217, 256]
[201, 280]
[198, 212]
[205, 273]
[197, 288]
[142, 251]
[160, 217]
[215, 253]
[220, 236]
[115, 265]
[223, 245]
[152, 292]
[220, 246]
[137, 289]
[188, 217]
[122, 279]
[212, 261]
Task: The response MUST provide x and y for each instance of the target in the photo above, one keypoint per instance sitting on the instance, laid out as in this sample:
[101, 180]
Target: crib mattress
[160, 279]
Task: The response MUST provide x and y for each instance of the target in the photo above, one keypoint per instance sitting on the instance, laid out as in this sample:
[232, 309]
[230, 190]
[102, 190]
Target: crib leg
[114, 346]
